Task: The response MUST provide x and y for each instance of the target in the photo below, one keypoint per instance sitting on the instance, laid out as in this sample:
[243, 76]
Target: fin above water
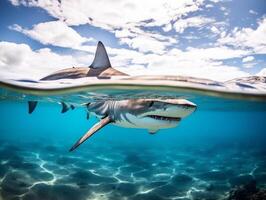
[101, 59]
[93, 130]
[65, 107]
[31, 106]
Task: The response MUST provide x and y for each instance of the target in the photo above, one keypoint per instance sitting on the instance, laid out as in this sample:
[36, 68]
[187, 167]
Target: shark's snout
[175, 109]
[185, 108]
[159, 114]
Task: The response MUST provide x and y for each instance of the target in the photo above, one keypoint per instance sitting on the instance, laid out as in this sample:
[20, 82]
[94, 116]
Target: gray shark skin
[150, 114]
[100, 68]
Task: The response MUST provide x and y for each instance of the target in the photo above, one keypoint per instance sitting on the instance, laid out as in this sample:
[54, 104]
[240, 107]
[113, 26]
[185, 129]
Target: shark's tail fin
[101, 59]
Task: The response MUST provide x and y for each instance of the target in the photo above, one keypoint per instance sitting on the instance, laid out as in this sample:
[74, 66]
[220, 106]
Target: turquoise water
[220, 146]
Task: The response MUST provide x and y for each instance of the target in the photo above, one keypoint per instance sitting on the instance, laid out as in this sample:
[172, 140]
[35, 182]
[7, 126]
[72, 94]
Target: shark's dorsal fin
[101, 59]
[93, 130]
[31, 106]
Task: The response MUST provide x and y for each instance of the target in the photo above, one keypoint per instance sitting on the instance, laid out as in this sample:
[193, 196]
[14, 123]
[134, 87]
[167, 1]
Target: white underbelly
[143, 122]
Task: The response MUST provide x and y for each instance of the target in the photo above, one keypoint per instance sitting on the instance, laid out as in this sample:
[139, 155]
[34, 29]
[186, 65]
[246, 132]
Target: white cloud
[223, 8]
[20, 61]
[198, 68]
[214, 53]
[15, 2]
[215, 30]
[145, 44]
[203, 63]
[144, 41]
[262, 72]
[253, 12]
[36, 64]
[151, 51]
[124, 18]
[167, 27]
[249, 65]
[55, 33]
[209, 6]
[248, 59]
[254, 39]
[124, 33]
[106, 12]
[199, 21]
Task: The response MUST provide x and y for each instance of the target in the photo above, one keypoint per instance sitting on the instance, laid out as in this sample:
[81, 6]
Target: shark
[151, 114]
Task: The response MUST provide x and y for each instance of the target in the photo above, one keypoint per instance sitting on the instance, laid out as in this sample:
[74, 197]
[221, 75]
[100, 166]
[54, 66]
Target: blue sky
[212, 39]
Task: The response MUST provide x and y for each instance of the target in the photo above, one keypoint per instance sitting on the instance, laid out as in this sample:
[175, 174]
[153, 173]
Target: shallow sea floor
[37, 170]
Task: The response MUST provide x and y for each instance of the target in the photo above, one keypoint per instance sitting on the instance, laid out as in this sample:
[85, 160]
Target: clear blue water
[219, 146]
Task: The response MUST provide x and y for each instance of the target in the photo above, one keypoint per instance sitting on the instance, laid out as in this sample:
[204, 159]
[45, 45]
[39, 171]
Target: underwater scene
[132, 100]
[220, 146]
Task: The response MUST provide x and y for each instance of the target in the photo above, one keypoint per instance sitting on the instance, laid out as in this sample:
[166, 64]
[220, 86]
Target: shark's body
[143, 113]
[81, 72]
[150, 114]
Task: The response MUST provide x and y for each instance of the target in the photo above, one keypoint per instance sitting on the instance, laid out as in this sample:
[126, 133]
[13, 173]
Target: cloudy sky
[213, 39]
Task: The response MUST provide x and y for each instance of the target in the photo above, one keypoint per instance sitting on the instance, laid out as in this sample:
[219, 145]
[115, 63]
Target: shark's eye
[151, 104]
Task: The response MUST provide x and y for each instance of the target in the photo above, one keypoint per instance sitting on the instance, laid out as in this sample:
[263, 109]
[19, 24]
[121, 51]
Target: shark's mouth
[158, 117]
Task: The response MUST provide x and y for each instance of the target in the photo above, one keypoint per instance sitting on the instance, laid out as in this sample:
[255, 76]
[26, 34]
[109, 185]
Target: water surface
[220, 146]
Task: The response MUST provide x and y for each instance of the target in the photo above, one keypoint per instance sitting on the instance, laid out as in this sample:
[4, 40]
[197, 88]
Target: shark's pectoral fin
[65, 107]
[31, 106]
[153, 131]
[93, 130]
